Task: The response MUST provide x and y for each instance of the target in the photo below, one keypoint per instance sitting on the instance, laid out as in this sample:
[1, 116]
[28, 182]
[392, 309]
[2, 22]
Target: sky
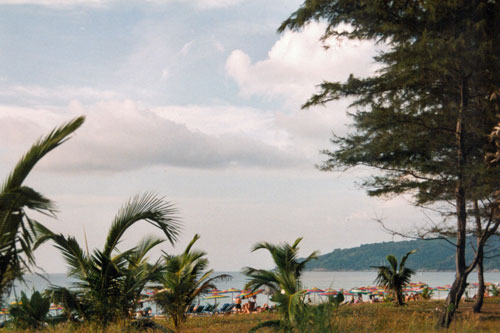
[198, 101]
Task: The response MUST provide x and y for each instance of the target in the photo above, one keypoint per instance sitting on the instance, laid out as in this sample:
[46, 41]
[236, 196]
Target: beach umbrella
[215, 291]
[248, 294]
[330, 290]
[315, 290]
[358, 291]
[215, 297]
[232, 291]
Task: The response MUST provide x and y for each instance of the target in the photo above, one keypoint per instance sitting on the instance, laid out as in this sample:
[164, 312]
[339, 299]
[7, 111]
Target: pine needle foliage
[421, 122]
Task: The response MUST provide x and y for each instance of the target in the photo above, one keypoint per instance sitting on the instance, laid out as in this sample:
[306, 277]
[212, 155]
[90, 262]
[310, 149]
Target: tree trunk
[453, 300]
[458, 286]
[481, 289]
[399, 297]
[478, 304]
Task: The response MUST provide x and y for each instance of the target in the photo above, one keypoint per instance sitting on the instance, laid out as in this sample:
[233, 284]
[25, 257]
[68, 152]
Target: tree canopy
[422, 119]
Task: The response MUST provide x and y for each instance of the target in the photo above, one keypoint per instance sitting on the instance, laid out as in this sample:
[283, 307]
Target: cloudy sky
[196, 100]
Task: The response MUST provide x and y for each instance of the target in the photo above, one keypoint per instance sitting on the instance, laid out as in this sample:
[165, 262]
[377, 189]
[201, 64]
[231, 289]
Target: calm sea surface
[336, 280]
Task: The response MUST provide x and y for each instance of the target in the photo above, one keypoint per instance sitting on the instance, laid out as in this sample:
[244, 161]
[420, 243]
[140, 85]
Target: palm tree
[109, 281]
[284, 281]
[394, 279]
[30, 312]
[185, 279]
[17, 233]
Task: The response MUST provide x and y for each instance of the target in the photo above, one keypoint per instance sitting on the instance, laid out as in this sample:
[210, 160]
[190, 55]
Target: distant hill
[431, 255]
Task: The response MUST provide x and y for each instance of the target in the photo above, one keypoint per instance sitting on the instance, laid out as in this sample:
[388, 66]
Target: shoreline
[373, 270]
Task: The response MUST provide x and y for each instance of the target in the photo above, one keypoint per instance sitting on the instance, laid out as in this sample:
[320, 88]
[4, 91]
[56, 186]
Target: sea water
[322, 280]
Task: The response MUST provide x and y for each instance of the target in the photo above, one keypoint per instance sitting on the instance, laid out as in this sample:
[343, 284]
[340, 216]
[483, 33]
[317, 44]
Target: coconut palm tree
[109, 281]
[185, 279]
[17, 232]
[394, 278]
[284, 281]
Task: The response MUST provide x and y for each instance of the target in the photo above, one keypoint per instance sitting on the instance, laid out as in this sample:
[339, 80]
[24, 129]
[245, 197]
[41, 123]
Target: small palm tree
[394, 279]
[284, 281]
[30, 312]
[109, 282]
[17, 232]
[185, 279]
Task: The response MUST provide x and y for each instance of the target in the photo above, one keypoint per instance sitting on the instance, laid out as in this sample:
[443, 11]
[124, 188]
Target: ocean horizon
[319, 279]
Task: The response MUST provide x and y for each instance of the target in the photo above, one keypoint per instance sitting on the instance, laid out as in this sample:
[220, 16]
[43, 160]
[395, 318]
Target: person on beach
[263, 308]
[237, 302]
[252, 303]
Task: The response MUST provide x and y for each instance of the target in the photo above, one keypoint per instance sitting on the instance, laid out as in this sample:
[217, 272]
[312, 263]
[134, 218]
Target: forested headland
[431, 255]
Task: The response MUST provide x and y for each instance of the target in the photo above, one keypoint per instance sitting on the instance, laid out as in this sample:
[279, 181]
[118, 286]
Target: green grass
[414, 317]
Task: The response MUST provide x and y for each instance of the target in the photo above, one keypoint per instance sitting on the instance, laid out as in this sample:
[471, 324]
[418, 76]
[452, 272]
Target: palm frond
[39, 149]
[145, 207]
[393, 261]
[17, 232]
[405, 257]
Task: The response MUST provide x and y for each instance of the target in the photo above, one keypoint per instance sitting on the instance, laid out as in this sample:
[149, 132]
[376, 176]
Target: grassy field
[414, 317]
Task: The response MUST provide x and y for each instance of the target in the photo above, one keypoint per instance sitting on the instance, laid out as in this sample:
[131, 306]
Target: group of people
[359, 299]
[250, 306]
[142, 313]
[412, 297]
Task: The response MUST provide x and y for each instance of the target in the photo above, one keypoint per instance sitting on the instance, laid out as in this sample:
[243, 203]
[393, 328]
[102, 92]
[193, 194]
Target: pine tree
[423, 119]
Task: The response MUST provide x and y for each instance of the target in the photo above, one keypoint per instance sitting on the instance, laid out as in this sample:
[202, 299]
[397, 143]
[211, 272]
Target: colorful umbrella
[248, 294]
[215, 291]
[315, 290]
[215, 296]
[232, 291]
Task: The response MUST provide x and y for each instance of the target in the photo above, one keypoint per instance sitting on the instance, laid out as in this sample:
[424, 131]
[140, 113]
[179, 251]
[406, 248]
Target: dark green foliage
[276, 324]
[110, 281]
[30, 312]
[284, 281]
[422, 120]
[431, 255]
[149, 325]
[17, 233]
[427, 293]
[395, 277]
[183, 279]
[321, 317]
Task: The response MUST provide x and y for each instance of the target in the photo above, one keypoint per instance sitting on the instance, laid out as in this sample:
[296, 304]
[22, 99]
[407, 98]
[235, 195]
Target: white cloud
[228, 120]
[298, 62]
[63, 4]
[125, 136]
[202, 4]
[57, 3]
[60, 93]
[185, 49]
